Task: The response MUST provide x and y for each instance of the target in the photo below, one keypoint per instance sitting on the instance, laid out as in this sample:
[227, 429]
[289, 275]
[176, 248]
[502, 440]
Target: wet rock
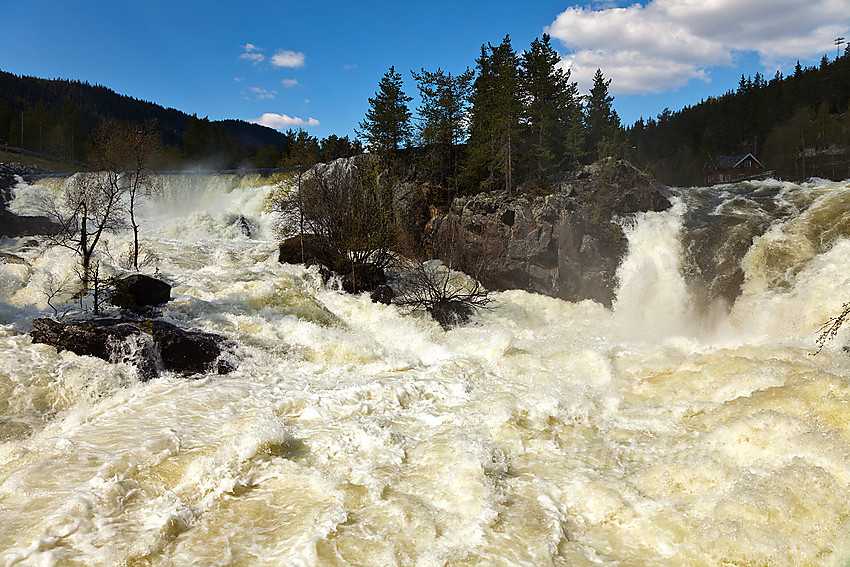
[308, 250]
[363, 277]
[13, 225]
[152, 346]
[383, 294]
[567, 244]
[313, 250]
[244, 226]
[139, 290]
[7, 258]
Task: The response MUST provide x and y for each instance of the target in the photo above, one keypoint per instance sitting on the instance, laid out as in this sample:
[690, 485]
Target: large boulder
[151, 345]
[138, 291]
[308, 249]
[311, 250]
[567, 244]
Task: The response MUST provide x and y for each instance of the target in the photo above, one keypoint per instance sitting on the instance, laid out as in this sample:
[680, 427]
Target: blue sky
[315, 64]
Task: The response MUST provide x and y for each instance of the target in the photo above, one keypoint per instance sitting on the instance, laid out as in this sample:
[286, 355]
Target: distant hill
[57, 116]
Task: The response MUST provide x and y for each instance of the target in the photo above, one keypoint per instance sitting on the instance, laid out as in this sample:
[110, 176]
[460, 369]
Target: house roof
[730, 162]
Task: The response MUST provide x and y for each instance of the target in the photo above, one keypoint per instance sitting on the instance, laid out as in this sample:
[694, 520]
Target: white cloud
[262, 93]
[288, 59]
[289, 83]
[664, 44]
[252, 53]
[282, 121]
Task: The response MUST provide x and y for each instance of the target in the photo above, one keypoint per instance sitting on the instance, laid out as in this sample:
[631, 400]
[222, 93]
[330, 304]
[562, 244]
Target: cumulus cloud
[289, 83]
[285, 58]
[664, 44]
[252, 53]
[282, 121]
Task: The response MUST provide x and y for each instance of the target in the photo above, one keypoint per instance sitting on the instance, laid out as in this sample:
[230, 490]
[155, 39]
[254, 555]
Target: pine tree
[553, 110]
[495, 118]
[601, 120]
[445, 102]
[387, 125]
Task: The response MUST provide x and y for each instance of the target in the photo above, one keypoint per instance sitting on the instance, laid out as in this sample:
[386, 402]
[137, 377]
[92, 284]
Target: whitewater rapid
[684, 426]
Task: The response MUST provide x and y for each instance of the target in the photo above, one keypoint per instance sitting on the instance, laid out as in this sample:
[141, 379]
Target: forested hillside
[798, 126]
[57, 117]
[515, 121]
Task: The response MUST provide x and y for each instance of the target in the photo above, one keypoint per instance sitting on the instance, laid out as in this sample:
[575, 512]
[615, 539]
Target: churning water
[688, 425]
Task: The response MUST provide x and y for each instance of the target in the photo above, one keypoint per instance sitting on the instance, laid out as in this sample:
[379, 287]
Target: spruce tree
[442, 115]
[387, 125]
[553, 110]
[601, 121]
[495, 120]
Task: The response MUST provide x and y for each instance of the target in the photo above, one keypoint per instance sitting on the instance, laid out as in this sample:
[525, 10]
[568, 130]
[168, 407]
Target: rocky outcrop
[13, 225]
[567, 244]
[310, 250]
[151, 345]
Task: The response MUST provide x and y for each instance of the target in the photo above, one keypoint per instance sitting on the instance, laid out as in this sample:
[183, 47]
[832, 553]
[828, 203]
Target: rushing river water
[689, 425]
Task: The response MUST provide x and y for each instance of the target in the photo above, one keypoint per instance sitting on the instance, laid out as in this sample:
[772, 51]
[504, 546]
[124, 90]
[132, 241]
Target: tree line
[59, 117]
[516, 121]
[796, 125]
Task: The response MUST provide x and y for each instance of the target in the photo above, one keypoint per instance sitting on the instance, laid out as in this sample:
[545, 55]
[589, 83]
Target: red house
[726, 169]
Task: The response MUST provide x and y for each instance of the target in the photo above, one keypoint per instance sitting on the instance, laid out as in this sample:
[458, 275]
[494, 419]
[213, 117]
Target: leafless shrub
[344, 205]
[450, 297]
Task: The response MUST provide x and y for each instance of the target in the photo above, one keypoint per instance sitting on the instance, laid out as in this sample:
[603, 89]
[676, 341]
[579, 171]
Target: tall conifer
[553, 110]
[442, 115]
[387, 125]
[495, 118]
[601, 121]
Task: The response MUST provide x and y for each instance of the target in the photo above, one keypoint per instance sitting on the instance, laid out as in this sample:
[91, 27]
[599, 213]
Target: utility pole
[838, 42]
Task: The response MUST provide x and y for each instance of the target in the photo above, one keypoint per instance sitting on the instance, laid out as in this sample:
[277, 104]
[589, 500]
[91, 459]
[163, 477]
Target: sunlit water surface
[670, 430]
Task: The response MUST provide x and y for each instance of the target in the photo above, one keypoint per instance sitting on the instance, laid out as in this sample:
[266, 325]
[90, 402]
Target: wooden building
[727, 169]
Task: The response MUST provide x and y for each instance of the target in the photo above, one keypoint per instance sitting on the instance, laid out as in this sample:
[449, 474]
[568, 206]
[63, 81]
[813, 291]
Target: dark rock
[6, 258]
[308, 250]
[314, 250]
[139, 290]
[244, 226]
[383, 294]
[15, 226]
[364, 277]
[151, 345]
[566, 244]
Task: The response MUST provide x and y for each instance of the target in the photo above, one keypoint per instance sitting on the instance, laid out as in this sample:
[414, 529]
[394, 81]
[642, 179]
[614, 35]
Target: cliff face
[567, 244]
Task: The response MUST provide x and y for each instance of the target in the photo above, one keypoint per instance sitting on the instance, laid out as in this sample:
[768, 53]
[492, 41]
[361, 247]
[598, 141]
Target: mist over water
[688, 425]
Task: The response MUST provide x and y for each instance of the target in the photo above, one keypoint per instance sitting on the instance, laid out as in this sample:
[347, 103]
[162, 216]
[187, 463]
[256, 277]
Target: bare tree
[89, 206]
[451, 297]
[347, 210]
[125, 148]
[830, 328]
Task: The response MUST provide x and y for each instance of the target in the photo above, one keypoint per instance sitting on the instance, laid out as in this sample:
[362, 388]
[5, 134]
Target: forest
[58, 117]
[514, 122]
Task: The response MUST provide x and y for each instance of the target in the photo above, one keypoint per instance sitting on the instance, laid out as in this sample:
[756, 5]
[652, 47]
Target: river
[690, 424]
